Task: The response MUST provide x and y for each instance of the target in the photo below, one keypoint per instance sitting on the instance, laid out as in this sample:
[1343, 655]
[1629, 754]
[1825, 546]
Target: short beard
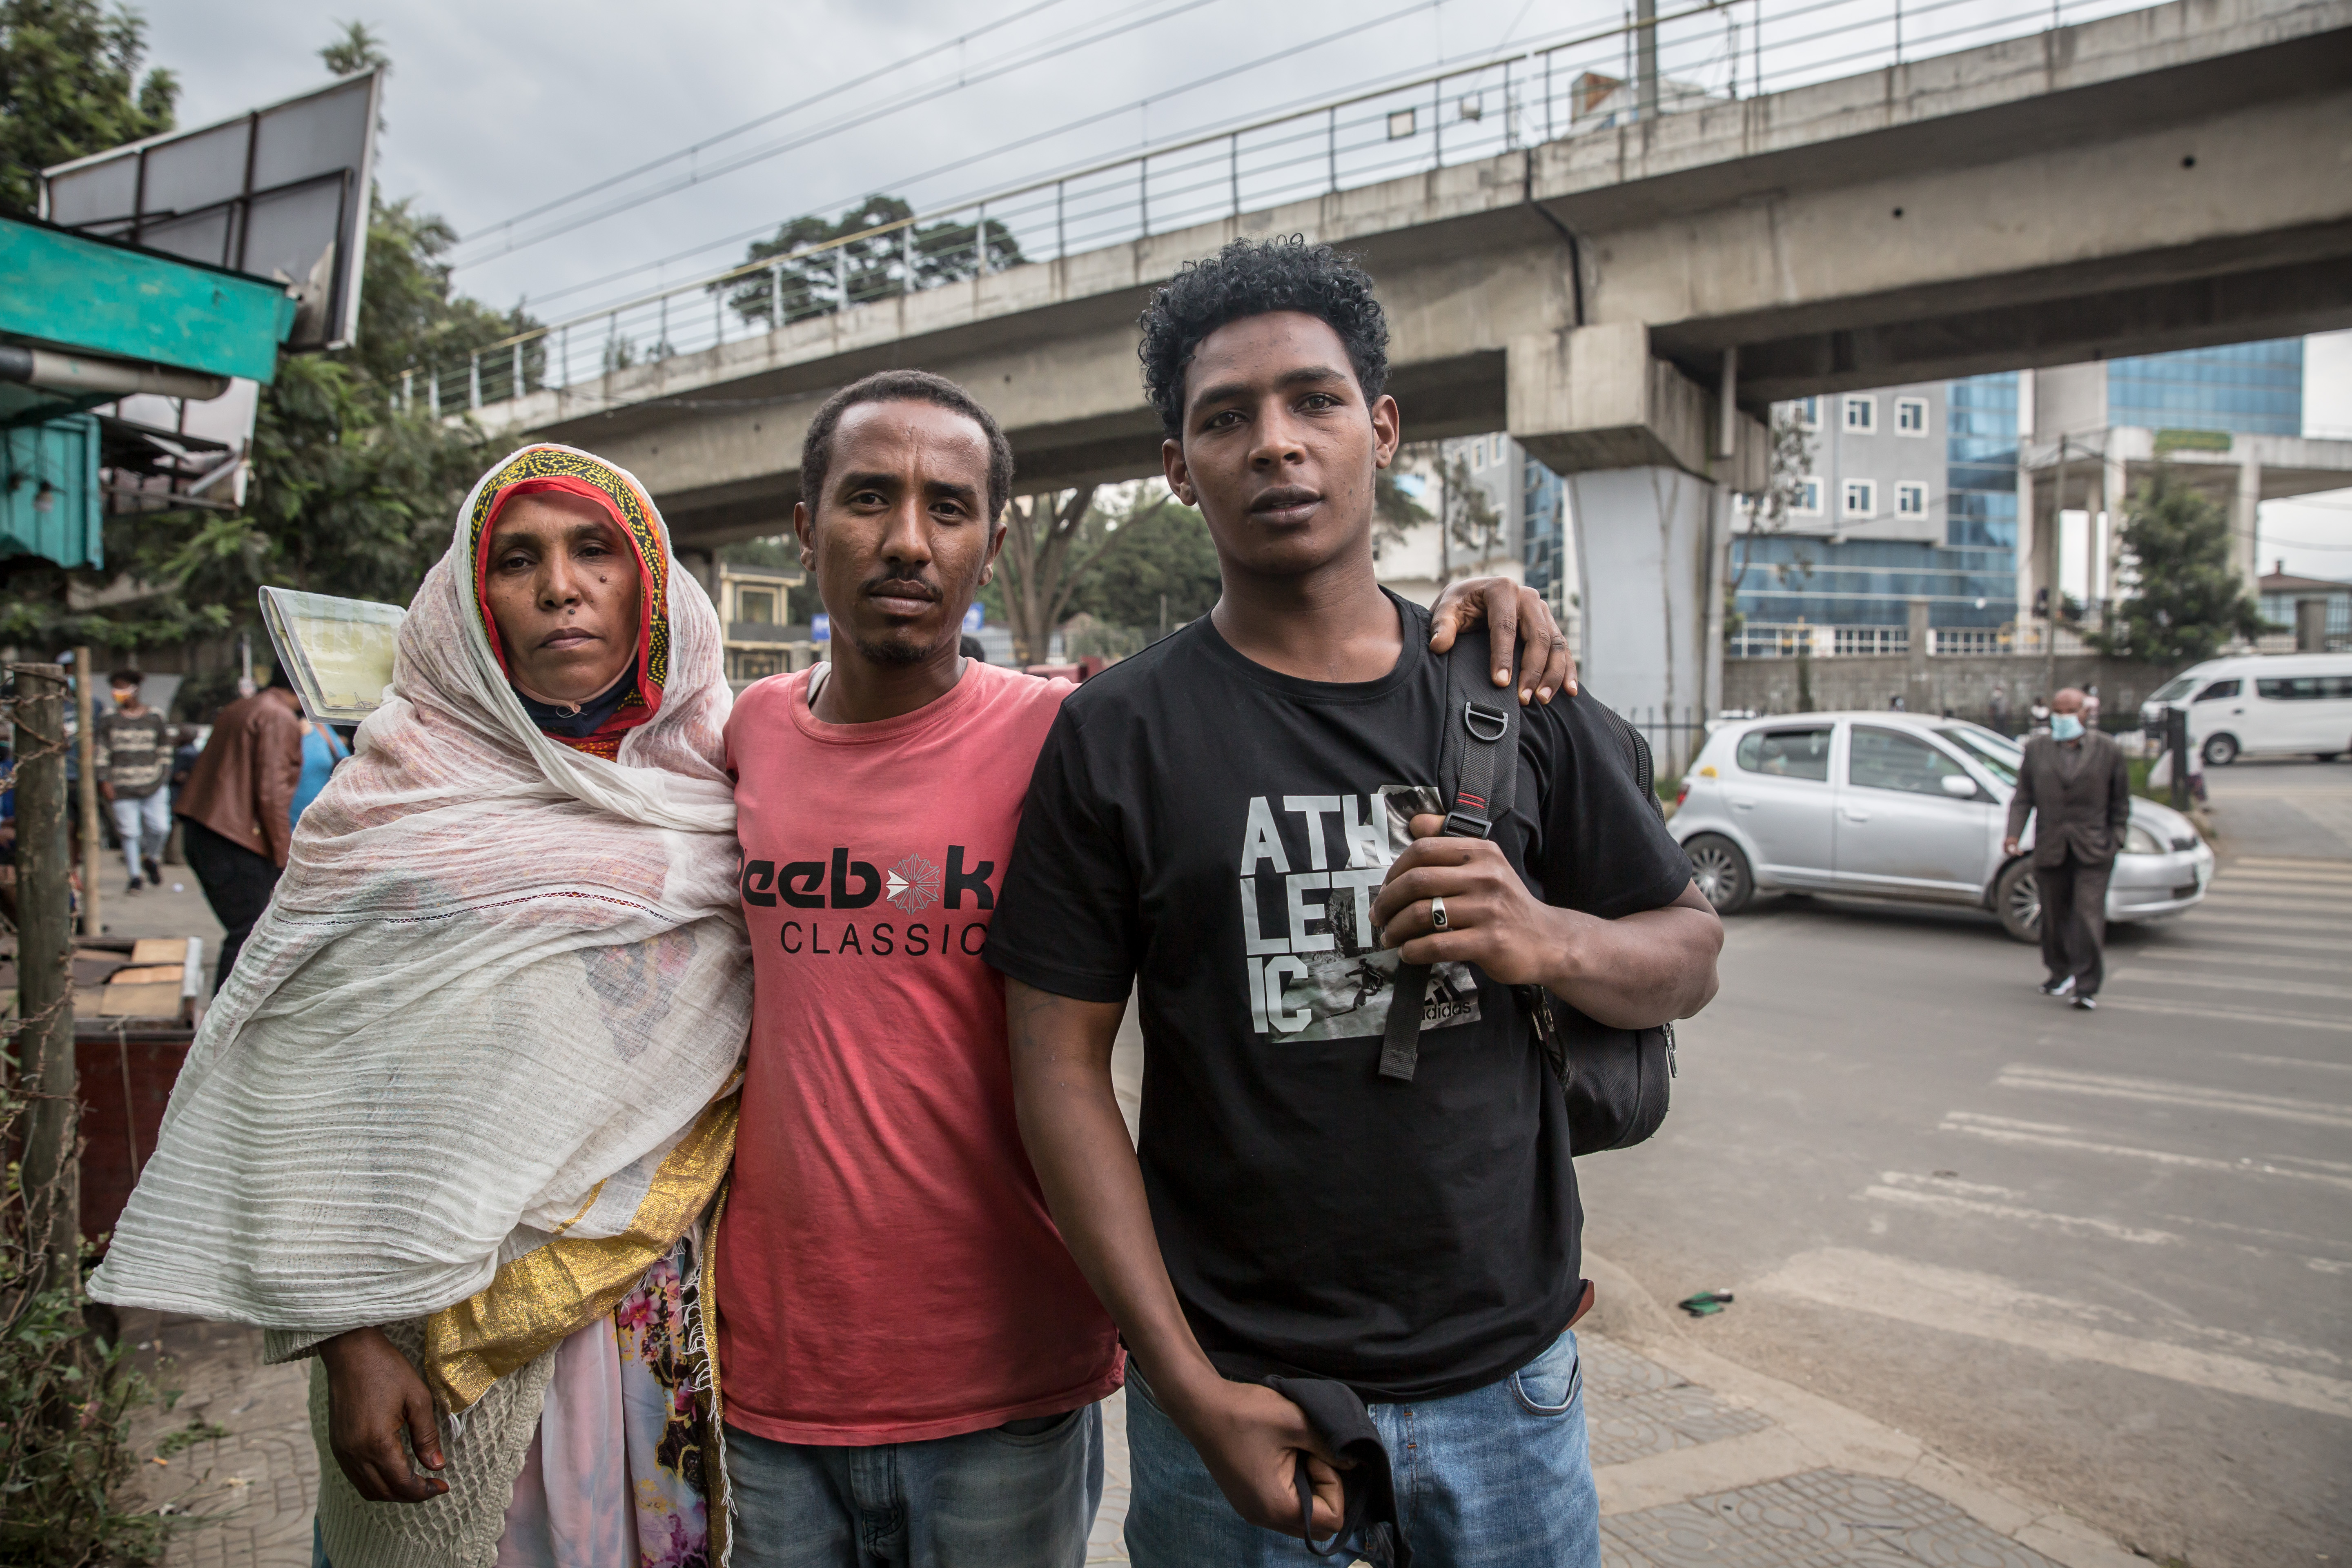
[898, 653]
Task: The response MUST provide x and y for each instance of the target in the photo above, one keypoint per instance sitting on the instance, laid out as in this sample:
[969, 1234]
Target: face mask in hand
[2065, 727]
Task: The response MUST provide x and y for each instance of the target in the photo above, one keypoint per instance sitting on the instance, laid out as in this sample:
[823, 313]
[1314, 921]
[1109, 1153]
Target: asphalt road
[2106, 1256]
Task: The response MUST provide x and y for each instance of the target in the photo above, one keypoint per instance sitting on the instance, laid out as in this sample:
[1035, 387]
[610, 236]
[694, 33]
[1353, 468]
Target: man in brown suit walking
[236, 812]
[2074, 781]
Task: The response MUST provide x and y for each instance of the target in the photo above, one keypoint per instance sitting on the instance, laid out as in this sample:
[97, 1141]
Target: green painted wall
[77, 293]
[49, 491]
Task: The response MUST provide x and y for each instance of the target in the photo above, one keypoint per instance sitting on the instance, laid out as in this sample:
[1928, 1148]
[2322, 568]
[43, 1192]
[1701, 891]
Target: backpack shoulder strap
[1478, 777]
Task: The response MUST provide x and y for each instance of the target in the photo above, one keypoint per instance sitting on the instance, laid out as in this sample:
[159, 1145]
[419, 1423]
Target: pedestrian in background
[322, 749]
[237, 811]
[2074, 783]
[133, 758]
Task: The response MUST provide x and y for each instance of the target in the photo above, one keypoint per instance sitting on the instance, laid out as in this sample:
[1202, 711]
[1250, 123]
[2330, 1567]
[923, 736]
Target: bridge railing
[1683, 59]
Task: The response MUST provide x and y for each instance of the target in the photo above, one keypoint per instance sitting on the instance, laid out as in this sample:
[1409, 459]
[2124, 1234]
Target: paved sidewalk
[1699, 1462]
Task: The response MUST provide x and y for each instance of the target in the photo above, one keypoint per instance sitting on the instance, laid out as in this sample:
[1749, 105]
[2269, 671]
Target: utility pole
[86, 753]
[1645, 46]
[44, 1040]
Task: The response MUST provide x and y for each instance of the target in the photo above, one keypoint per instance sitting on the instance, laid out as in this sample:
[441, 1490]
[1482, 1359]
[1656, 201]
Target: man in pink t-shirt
[913, 1362]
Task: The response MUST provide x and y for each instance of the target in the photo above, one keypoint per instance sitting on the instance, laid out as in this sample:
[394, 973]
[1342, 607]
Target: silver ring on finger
[1438, 913]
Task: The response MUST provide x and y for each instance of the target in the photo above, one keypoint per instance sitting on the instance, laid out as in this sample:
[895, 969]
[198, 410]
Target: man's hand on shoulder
[1545, 665]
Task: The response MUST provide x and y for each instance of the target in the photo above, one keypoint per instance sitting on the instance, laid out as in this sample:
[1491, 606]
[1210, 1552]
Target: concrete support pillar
[1918, 686]
[2245, 517]
[1636, 441]
[2113, 495]
[2311, 625]
[2029, 530]
[1643, 536]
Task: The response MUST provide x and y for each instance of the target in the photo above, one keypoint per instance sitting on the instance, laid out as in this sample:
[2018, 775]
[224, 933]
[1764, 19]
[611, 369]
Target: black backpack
[1617, 1081]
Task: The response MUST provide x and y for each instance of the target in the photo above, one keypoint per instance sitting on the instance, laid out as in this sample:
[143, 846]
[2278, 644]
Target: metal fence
[1686, 58]
[1782, 639]
[1673, 740]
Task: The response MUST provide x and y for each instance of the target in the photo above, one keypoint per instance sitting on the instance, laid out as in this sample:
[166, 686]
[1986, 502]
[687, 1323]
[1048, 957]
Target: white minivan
[2262, 705]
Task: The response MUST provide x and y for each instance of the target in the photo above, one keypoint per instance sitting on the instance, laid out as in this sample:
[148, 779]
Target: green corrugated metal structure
[77, 293]
[65, 291]
[49, 491]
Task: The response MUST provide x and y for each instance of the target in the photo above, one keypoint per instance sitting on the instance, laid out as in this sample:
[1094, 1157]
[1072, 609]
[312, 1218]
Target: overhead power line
[693, 148]
[924, 93]
[1352, 30]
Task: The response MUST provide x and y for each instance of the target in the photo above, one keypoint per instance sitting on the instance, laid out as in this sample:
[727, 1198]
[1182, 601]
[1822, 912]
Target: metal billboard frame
[280, 193]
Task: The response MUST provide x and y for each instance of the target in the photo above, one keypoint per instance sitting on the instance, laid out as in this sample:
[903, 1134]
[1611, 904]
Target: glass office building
[2255, 389]
[1827, 569]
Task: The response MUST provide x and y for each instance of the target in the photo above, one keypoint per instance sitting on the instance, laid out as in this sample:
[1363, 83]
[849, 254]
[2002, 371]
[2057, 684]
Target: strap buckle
[1475, 713]
[1460, 824]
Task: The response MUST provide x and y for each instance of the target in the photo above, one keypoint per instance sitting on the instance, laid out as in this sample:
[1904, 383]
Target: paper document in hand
[337, 652]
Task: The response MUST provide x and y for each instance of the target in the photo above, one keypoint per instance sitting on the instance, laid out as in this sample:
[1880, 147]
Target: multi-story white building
[1525, 536]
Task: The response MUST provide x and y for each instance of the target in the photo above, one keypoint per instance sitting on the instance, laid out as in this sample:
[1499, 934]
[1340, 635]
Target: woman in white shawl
[454, 1120]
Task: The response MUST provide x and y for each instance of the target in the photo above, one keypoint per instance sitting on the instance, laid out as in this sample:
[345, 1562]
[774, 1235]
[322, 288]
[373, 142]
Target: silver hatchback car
[1898, 805]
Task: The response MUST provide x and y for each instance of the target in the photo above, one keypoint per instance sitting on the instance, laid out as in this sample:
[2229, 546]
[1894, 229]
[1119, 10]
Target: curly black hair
[905, 386]
[1250, 277]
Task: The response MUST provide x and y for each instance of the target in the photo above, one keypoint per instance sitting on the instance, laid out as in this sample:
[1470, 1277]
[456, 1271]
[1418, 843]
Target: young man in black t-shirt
[1243, 818]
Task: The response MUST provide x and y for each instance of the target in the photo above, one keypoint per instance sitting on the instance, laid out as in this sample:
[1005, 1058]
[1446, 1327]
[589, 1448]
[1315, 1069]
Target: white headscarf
[500, 984]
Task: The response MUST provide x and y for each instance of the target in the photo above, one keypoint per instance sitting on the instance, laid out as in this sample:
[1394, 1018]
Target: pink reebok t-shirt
[887, 1270]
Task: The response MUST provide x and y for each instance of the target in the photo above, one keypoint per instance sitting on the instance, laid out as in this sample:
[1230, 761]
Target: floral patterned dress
[615, 1474]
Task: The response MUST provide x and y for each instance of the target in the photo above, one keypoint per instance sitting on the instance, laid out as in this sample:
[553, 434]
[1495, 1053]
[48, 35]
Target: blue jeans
[1500, 1476]
[142, 822]
[993, 1499]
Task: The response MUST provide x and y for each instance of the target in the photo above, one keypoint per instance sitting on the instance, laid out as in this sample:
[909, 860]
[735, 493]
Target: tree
[1473, 525]
[1396, 511]
[352, 493]
[1162, 574]
[2189, 599]
[871, 266]
[1053, 544]
[70, 86]
[1791, 465]
[357, 50]
[409, 319]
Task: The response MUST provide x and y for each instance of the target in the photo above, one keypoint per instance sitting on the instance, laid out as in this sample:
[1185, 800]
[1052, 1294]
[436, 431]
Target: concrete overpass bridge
[1625, 299]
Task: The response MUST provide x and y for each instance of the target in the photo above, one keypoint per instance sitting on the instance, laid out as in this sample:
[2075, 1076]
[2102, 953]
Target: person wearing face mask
[454, 1120]
[2073, 783]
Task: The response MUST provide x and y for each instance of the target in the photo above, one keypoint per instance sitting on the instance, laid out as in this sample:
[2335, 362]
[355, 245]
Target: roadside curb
[1808, 1433]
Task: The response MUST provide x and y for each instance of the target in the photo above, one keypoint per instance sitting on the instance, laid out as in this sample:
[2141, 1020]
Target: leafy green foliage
[1792, 463]
[1395, 512]
[2190, 600]
[65, 1399]
[409, 319]
[1164, 553]
[357, 50]
[352, 486]
[875, 266]
[70, 86]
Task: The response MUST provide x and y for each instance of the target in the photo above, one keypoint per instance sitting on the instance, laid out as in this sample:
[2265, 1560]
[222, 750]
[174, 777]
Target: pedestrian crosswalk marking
[1900, 1187]
[2222, 983]
[2258, 960]
[2229, 1015]
[2292, 1062]
[2051, 1135]
[2158, 1091]
[1983, 1306]
[2331, 905]
[2236, 937]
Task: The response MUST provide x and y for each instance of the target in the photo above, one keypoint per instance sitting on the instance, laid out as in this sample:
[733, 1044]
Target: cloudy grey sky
[496, 107]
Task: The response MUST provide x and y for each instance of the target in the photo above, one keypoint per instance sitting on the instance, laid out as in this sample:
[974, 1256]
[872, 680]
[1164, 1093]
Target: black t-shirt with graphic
[1218, 831]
